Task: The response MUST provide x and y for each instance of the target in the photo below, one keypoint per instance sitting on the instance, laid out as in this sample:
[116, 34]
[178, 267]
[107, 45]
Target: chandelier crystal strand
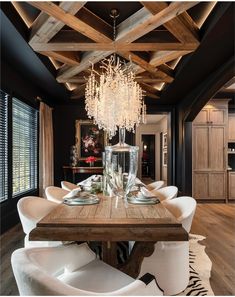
[113, 99]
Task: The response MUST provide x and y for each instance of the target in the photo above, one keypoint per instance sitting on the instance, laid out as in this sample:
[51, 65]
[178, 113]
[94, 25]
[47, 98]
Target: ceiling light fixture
[112, 97]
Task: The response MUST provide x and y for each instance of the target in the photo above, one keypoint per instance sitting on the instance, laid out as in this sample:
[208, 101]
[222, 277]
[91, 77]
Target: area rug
[200, 269]
[199, 265]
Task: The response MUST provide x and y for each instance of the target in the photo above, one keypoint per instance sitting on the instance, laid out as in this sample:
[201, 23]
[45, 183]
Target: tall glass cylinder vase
[121, 163]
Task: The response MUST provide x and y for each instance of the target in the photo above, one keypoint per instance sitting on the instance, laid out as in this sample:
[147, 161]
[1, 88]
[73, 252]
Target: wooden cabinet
[201, 148]
[212, 114]
[218, 148]
[231, 127]
[209, 145]
[231, 185]
[209, 185]
[209, 149]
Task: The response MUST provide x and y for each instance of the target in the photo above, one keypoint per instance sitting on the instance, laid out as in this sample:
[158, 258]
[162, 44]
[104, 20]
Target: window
[24, 148]
[3, 146]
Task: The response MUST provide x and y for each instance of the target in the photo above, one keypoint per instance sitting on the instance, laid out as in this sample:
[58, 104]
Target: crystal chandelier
[113, 98]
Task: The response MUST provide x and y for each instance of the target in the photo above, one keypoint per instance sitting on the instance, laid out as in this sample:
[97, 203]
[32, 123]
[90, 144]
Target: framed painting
[164, 158]
[164, 140]
[90, 141]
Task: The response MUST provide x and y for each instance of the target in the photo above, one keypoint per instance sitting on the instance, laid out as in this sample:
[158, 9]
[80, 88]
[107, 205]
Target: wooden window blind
[3, 146]
[24, 146]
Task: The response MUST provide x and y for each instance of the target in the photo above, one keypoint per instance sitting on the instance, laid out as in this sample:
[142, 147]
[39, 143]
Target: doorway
[148, 156]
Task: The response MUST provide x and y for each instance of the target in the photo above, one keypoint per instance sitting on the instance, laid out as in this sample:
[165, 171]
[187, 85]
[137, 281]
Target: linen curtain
[46, 149]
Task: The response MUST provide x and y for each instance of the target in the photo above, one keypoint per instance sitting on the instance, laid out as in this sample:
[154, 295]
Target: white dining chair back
[155, 185]
[31, 210]
[68, 186]
[170, 260]
[183, 208]
[72, 270]
[166, 193]
[55, 194]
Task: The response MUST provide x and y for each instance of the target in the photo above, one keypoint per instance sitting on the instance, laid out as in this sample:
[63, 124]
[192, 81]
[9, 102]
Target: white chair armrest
[71, 257]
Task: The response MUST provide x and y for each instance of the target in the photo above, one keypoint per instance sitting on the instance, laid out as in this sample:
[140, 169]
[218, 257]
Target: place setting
[143, 197]
[85, 193]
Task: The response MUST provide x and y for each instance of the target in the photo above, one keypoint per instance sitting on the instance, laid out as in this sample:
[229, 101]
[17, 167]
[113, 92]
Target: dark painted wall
[64, 117]
[16, 85]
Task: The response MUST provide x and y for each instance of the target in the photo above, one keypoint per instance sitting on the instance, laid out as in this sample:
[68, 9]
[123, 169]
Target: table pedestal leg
[109, 252]
[133, 265]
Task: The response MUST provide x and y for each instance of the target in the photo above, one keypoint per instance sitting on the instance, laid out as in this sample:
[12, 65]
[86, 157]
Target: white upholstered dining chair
[68, 186]
[155, 185]
[166, 193]
[73, 270]
[55, 194]
[169, 262]
[31, 210]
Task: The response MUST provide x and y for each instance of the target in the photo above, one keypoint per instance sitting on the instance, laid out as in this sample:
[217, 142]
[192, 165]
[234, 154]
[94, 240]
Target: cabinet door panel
[231, 184]
[201, 148]
[217, 185]
[217, 148]
[231, 127]
[218, 116]
[202, 117]
[201, 185]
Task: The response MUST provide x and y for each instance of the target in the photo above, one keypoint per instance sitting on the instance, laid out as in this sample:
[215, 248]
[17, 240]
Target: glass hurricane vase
[121, 162]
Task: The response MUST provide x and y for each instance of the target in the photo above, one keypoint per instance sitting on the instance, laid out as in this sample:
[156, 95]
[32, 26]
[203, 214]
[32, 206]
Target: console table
[74, 170]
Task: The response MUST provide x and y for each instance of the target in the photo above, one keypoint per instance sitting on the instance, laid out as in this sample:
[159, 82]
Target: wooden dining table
[109, 222]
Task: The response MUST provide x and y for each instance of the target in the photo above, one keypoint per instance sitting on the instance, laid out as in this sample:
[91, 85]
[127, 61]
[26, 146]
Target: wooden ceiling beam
[143, 22]
[161, 57]
[82, 79]
[182, 26]
[70, 58]
[88, 58]
[72, 21]
[142, 63]
[139, 24]
[150, 89]
[57, 46]
[45, 26]
[147, 94]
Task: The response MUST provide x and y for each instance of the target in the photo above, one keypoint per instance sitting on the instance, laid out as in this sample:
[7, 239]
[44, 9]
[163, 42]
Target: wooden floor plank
[215, 221]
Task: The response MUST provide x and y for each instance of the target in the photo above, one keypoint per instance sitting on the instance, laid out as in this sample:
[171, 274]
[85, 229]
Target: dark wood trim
[170, 111]
[207, 90]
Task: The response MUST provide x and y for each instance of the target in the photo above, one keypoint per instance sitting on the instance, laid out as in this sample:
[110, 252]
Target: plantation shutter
[3, 146]
[24, 154]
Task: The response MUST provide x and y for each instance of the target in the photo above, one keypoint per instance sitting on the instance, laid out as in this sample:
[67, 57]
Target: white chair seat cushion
[96, 276]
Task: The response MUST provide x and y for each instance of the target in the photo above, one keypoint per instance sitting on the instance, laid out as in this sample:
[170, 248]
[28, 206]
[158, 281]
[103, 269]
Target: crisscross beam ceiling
[96, 40]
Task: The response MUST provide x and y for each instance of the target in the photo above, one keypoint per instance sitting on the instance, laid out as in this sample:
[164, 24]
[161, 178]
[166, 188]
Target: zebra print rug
[199, 265]
[200, 269]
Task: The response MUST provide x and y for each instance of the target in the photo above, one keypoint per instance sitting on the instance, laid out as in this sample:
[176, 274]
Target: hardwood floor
[215, 221]
[10, 241]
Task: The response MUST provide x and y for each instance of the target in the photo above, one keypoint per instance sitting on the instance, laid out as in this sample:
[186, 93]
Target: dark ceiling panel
[16, 51]
[102, 9]
[214, 51]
